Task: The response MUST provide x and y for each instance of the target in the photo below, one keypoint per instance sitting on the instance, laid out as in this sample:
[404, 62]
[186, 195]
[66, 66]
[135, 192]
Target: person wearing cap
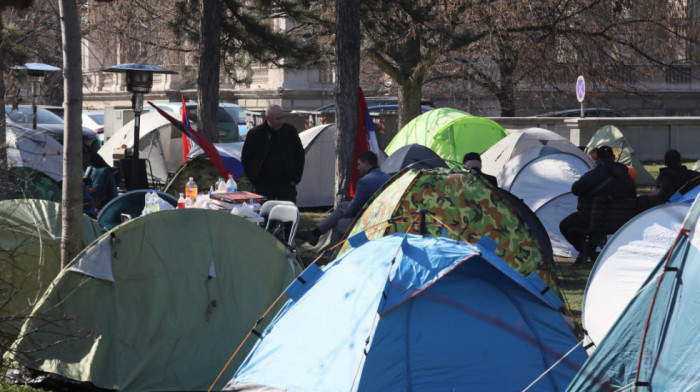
[609, 179]
[472, 160]
[670, 179]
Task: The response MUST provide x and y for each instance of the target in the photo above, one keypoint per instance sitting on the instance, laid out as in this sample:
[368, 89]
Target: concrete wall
[650, 137]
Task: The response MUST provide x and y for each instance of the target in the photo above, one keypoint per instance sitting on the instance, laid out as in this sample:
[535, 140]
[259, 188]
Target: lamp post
[139, 80]
[36, 72]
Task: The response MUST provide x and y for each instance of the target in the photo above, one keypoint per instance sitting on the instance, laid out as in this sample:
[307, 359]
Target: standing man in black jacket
[273, 157]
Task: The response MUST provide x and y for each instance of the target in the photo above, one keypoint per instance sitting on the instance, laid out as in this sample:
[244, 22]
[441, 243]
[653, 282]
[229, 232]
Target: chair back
[287, 214]
[268, 205]
[607, 216]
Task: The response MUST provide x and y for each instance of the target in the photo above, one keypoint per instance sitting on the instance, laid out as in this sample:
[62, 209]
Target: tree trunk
[208, 79]
[347, 91]
[3, 149]
[71, 206]
[409, 101]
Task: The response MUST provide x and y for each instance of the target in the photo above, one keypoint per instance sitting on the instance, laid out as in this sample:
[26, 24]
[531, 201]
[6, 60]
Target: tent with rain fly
[30, 249]
[653, 345]
[542, 176]
[412, 313]
[451, 133]
[317, 185]
[34, 149]
[497, 156]
[28, 183]
[153, 312]
[625, 263]
[159, 143]
[462, 205]
[417, 156]
[611, 136]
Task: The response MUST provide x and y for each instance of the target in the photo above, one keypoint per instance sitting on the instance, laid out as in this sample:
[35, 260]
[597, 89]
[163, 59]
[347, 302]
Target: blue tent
[406, 312]
[660, 322]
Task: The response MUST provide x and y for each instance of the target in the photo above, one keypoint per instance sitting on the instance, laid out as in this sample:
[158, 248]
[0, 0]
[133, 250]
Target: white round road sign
[580, 88]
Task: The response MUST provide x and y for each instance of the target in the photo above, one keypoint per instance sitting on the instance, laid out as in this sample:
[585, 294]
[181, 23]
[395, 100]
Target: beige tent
[611, 136]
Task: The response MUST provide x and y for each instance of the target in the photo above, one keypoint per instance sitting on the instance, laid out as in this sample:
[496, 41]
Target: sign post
[581, 92]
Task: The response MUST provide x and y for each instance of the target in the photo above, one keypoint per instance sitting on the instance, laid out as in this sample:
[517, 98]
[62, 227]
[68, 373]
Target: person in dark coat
[609, 179]
[472, 160]
[670, 179]
[273, 157]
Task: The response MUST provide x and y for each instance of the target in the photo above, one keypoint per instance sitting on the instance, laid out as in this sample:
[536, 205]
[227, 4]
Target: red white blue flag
[187, 143]
[365, 139]
[230, 165]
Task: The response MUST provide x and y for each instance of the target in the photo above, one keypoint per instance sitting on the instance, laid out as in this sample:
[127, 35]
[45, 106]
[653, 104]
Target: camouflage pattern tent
[468, 205]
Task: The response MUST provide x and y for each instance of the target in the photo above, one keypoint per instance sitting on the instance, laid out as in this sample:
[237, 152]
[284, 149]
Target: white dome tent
[625, 263]
[539, 175]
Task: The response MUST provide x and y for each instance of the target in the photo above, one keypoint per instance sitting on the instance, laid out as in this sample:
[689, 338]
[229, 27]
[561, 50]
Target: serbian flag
[365, 139]
[232, 166]
[186, 142]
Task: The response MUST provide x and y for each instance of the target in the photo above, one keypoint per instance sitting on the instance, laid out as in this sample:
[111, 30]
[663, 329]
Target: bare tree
[347, 52]
[72, 134]
[209, 66]
[617, 45]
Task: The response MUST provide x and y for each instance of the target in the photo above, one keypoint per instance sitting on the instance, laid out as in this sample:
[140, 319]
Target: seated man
[609, 179]
[472, 161]
[669, 180]
[341, 218]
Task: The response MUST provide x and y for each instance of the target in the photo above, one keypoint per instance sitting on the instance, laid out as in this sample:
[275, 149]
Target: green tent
[28, 183]
[30, 250]
[205, 175]
[468, 206]
[159, 303]
[451, 133]
[611, 136]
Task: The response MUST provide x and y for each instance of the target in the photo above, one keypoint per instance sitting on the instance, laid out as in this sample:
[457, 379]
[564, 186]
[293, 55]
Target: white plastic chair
[268, 205]
[285, 213]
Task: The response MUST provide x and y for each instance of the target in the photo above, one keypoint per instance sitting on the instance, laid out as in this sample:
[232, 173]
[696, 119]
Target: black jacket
[611, 180]
[257, 145]
[670, 179]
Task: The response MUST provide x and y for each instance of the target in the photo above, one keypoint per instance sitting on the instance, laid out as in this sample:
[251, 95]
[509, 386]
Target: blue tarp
[670, 360]
[445, 316]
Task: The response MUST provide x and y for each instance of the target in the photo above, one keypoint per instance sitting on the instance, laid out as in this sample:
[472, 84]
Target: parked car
[57, 110]
[45, 120]
[392, 109]
[228, 127]
[238, 114]
[588, 112]
[377, 101]
[96, 122]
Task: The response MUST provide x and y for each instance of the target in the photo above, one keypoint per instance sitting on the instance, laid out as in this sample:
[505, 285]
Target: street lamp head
[139, 77]
[36, 71]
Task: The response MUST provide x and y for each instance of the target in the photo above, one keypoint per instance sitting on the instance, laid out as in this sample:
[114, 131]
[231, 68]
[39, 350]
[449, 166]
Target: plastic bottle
[155, 203]
[181, 201]
[191, 189]
[148, 202]
[231, 185]
[220, 185]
